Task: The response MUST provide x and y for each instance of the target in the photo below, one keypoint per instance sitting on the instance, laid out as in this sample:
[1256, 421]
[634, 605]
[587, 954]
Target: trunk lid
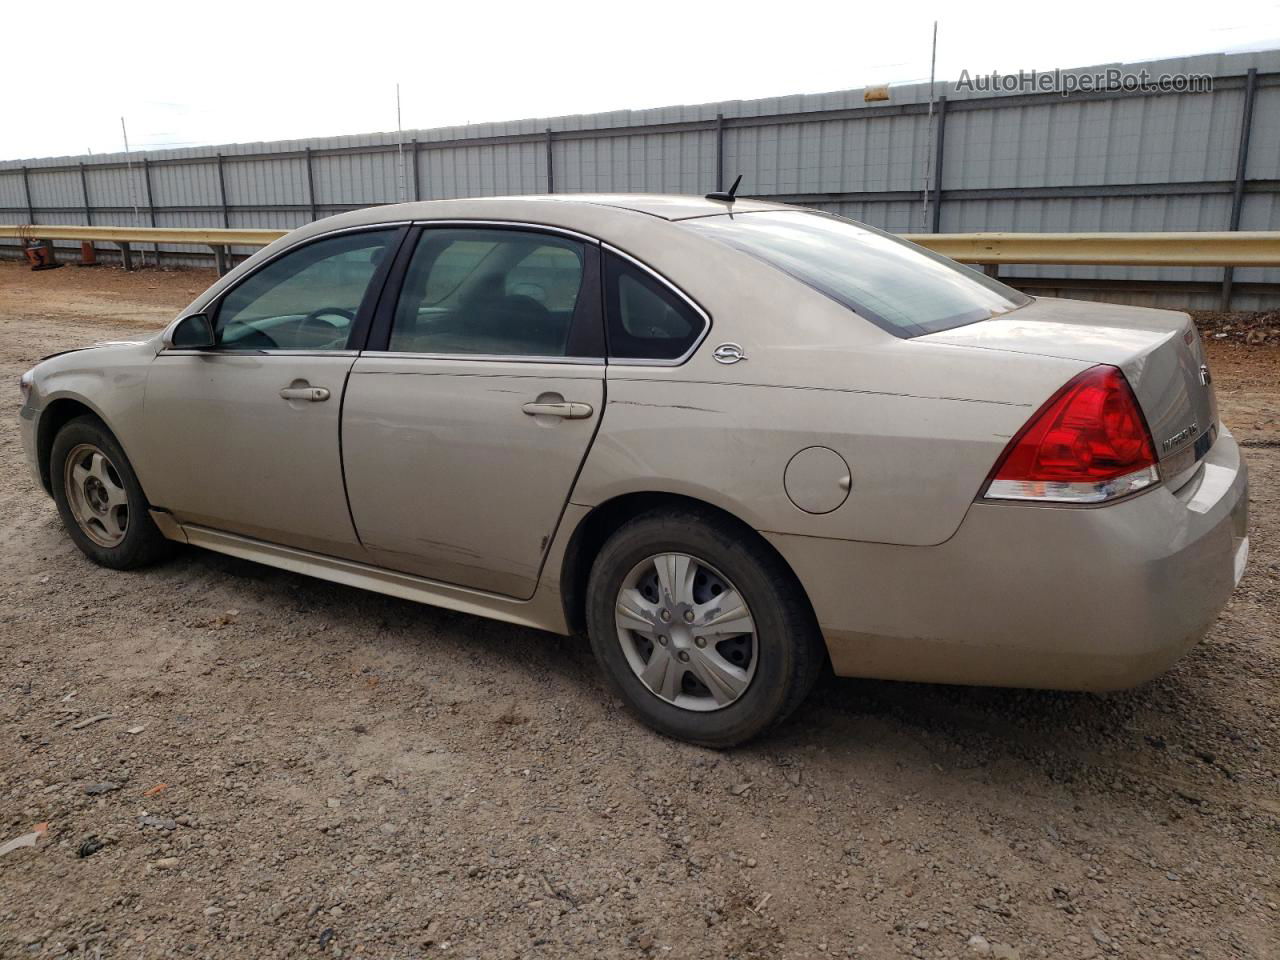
[1159, 352]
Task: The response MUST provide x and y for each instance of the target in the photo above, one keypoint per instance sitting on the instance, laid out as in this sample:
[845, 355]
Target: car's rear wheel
[99, 498]
[700, 627]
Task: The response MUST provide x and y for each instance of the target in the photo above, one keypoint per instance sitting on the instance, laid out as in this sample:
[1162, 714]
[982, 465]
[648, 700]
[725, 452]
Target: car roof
[665, 206]
[641, 224]
[574, 209]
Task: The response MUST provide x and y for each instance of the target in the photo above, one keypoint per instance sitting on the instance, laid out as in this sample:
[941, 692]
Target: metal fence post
[222, 195]
[26, 192]
[413, 155]
[226, 216]
[84, 190]
[151, 209]
[88, 208]
[311, 187]
[1242, 163]
[719, 152]
[937, 167]
[551, 179]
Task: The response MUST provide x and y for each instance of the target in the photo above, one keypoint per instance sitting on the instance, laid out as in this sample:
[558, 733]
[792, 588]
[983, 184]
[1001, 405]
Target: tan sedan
[733, 441]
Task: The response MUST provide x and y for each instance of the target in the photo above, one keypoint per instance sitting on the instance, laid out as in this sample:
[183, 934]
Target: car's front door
[467, 420]
[244, 436]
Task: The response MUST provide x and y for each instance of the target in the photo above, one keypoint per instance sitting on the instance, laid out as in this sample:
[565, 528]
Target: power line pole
[128, 160]
[928, 151]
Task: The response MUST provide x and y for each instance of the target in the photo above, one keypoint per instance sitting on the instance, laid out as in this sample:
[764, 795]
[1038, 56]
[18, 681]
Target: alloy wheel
[96, 495]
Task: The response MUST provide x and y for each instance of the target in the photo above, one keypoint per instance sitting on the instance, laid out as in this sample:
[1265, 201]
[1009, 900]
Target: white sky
[186, 73]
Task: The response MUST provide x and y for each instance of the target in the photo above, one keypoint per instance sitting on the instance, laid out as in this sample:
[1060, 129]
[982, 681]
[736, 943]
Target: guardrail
[219, 239]
[1205, 249]
[198, 235]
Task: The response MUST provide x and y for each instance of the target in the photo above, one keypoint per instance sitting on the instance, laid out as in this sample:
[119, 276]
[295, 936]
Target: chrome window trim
[218, 352]
[481, 357]
[518, 224]
[337, 231]
[654, 362]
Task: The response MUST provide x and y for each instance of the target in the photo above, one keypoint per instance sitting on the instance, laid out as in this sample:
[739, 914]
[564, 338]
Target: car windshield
[897, 285]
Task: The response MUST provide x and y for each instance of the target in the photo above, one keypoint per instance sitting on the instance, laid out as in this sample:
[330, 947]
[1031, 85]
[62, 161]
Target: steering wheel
[315, 324]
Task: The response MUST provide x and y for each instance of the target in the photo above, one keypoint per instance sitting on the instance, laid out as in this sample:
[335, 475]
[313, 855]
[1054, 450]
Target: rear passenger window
[647, 320]
[507, 293]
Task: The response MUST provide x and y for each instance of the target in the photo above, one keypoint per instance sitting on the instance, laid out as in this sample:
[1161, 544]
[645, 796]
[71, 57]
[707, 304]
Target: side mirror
[192, 333]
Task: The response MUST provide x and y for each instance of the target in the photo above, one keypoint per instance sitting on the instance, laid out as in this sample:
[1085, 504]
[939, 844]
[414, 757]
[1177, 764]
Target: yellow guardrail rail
[1204, 249]
[212, 237]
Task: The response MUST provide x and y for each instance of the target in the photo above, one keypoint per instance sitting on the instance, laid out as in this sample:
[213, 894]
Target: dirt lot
[352, 774]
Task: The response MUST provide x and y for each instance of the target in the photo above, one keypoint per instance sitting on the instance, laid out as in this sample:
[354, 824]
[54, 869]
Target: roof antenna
[728, 196]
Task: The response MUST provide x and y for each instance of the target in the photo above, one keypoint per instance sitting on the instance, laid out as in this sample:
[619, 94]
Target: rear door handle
[314, 394]
[563, 408]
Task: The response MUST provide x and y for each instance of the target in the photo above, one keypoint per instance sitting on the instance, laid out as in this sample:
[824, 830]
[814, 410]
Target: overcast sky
[226, 71]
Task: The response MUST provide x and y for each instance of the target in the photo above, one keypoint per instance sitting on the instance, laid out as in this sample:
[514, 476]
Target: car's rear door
[467, 418]
[243, 436]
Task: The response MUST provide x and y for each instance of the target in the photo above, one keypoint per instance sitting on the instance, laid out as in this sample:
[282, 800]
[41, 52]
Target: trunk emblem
[1205, 377]
[1182, 436]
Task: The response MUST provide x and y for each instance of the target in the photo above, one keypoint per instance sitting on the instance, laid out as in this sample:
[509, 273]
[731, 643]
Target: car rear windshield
[899, 286]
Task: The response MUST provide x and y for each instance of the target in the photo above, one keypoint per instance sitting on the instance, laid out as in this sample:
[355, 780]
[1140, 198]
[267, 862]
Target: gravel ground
[259, 764]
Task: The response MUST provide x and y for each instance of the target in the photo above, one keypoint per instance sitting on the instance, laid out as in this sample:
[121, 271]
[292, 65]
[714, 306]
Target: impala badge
[1205, 377]
[729, 353]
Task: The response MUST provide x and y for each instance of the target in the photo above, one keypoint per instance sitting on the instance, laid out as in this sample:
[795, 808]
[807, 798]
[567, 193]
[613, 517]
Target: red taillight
[1089, 443]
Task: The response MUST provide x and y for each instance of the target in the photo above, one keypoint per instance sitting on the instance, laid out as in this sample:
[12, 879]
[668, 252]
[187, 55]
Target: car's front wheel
[700, 627]
[99, 497]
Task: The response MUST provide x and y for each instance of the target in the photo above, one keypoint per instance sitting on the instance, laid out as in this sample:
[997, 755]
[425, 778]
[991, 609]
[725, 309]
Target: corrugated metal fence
[1104, 160]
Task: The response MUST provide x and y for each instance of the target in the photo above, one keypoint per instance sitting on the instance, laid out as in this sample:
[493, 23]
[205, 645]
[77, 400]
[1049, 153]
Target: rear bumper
[1072, 598]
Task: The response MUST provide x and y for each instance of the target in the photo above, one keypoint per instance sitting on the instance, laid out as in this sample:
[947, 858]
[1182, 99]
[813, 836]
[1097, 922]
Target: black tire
[789, 654]
[143, 544]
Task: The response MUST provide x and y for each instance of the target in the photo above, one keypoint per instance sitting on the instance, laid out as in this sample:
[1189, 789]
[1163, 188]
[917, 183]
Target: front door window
[305, 300]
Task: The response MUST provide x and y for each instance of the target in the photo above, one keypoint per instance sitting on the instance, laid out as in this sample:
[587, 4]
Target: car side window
[646, 319]
[488, 291]
[304, 300]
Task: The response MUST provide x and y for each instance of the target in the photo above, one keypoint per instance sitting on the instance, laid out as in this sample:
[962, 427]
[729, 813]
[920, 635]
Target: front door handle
[562, 408]
[314, 394]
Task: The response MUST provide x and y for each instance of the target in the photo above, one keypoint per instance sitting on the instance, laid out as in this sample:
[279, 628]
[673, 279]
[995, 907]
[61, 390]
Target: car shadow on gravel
[1057, 730]
[382, 619]
[1172, 732]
